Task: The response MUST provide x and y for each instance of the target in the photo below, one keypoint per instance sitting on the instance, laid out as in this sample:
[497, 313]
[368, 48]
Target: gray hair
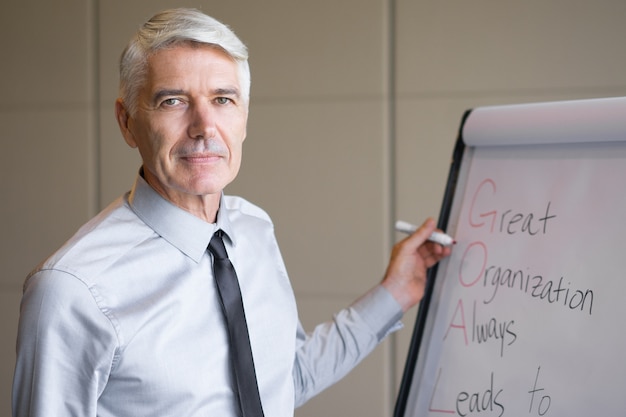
[173, 27]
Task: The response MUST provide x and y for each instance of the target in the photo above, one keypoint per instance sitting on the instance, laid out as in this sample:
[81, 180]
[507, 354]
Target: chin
[207, 189]
[207, 183]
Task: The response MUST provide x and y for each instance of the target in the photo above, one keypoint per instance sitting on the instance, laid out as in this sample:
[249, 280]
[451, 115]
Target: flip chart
[526, 317]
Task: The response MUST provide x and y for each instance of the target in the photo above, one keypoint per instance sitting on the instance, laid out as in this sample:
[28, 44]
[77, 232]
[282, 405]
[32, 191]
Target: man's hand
[405, 277]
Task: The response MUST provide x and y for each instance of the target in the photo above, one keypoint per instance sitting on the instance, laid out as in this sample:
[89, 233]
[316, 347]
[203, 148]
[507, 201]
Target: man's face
[190, 124]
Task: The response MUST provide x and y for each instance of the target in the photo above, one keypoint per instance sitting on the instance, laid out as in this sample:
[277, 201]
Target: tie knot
[216, 246]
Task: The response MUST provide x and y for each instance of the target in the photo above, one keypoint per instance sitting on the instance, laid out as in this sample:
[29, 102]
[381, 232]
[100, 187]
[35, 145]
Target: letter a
[453, 324]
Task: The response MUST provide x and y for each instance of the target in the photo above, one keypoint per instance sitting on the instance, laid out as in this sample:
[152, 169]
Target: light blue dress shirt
[123, 320]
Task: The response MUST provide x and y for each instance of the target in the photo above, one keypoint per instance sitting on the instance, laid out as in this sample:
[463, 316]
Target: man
[126, 319]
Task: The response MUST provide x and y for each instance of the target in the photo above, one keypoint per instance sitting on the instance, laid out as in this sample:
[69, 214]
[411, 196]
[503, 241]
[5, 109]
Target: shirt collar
[190, 234]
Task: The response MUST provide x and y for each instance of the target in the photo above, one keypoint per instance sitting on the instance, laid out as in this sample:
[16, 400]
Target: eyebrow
[227, 91]
[158, 95]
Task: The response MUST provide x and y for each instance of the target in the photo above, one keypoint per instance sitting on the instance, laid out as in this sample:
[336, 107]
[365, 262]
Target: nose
[202, 123]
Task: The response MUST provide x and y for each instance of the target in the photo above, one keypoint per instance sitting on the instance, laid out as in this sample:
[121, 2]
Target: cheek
[237, 151]
[153, 147]
[236, 136]
[234, 162]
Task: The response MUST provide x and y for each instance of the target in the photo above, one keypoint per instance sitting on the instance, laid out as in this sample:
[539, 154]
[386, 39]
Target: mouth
[205, 152]
[201, 159]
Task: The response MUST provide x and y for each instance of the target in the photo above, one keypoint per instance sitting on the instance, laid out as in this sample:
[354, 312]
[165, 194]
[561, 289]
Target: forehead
[190, 63]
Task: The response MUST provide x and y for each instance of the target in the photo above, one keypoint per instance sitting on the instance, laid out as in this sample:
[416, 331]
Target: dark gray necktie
[232, 306]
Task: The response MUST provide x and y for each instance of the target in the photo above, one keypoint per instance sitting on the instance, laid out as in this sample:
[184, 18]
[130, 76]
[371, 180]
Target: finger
[422, 233]
[430, 256]
[432, 253]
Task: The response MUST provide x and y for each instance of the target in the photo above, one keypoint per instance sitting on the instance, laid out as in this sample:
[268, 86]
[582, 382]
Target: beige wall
[355, 109]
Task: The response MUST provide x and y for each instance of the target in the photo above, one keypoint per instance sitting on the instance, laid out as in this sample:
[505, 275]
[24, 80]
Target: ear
[123, 119]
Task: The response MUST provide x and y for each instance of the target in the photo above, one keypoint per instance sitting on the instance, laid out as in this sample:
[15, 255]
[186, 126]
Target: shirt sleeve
[65, 348]
[327, 354]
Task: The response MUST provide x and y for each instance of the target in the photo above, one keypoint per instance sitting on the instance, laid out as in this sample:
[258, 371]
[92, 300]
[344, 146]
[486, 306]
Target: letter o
[465, 263]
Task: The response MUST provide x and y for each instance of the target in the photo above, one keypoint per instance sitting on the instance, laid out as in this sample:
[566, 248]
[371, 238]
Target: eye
[223, 100]
[170, 102]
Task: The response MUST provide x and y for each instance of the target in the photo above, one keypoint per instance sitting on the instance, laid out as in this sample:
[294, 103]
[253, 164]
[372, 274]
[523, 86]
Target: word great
[482, 213]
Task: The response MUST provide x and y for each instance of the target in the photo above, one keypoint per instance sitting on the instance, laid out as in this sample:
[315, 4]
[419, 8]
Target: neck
[204, 207]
